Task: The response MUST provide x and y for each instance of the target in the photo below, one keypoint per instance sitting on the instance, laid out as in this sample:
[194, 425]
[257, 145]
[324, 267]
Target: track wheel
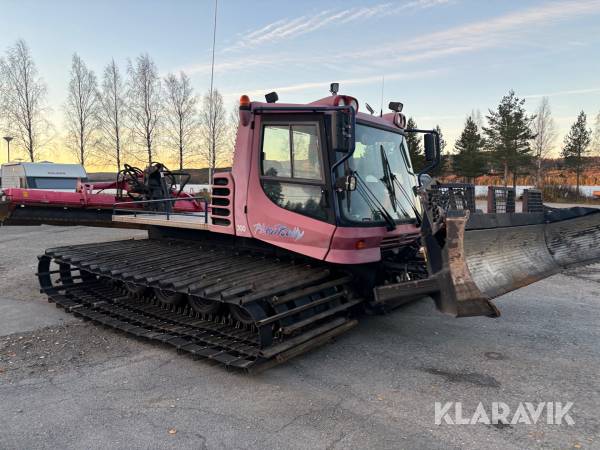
[135, 290]
[204, 306]
[169, 298]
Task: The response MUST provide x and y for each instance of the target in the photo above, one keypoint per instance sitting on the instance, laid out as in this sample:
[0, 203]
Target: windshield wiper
[389, 181]
[373, 203]
[390, 178]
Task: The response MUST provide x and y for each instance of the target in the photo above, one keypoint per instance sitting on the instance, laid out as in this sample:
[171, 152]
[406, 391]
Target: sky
[441, 58]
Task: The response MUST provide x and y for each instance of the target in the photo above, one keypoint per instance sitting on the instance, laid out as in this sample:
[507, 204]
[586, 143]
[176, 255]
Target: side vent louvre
[222, 202]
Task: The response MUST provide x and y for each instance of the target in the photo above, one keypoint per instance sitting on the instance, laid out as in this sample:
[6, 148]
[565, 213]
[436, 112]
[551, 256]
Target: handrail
[162, 200]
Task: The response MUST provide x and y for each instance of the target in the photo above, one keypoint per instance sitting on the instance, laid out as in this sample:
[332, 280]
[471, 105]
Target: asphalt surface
[69, 384]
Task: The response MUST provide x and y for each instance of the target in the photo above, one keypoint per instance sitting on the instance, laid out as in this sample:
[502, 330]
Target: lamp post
[8, 139]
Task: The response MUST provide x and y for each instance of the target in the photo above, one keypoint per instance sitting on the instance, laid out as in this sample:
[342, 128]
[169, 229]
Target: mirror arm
[438, 153]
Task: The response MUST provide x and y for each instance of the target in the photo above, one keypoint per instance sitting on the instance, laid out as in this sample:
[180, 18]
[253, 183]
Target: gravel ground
[69, 384]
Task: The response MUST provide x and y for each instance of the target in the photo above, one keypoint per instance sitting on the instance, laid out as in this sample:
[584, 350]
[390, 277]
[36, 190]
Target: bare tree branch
[215, 150]
[234, 122]
[81, 110]
[596, 136]
[545, 130]
[23, 100]
[145, 104]
[181, 120]
[112, 114]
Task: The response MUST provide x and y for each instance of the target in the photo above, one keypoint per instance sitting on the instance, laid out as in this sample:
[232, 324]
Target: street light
[8, 139]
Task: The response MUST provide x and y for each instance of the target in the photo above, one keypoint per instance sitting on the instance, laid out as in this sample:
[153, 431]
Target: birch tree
[112, 113]
[81, 110]
[545, 131]
[181, 124]
[213, 131]
[234, 123]
[24, 100]
[144, 96]
[596, 136]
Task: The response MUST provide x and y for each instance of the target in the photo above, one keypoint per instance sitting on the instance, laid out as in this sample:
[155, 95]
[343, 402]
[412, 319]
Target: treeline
[121, 115]
[512, 144]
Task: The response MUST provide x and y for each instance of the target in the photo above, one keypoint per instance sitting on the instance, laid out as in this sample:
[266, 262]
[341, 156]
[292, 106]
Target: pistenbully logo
[279, 230]
[554, 413]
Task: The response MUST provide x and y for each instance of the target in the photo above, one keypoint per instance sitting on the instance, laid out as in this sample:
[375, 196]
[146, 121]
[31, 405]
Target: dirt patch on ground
[52, 350]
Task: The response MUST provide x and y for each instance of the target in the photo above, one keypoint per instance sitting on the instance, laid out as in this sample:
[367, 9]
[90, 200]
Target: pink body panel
[344, 250]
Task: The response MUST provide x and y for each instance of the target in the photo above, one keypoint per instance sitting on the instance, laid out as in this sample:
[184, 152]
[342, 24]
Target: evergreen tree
[508, 136]
[470, 161]
[576, 146]
[415, 148]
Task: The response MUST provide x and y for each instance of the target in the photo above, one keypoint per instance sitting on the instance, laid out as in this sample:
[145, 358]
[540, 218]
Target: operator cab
[323, 179]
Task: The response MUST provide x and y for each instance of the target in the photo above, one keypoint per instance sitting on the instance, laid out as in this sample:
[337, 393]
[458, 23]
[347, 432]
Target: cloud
[350, 81]
[561, 93]
[290, 28]
[512, 27]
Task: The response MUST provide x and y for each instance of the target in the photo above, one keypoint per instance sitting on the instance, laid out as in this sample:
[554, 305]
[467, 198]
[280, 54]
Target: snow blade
[486, 255]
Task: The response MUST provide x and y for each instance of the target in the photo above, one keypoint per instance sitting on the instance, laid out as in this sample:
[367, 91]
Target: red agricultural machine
[92, 204]
[321, 218]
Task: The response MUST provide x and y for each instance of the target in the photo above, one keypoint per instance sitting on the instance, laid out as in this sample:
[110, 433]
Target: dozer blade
[473, 258]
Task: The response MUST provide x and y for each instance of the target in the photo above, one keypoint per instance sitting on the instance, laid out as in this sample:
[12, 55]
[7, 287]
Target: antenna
[210, 103]
[382, 86]
[212, 66]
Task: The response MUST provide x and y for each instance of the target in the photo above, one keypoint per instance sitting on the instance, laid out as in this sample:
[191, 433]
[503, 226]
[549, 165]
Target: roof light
[244, 102]
[272, 97]
[396, 106]
[245, 113]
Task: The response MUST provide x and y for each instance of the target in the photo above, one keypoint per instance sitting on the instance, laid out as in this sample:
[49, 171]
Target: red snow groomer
[321, 217]
[93, 204]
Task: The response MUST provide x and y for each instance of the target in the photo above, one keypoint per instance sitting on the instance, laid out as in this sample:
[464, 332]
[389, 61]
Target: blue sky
[442, 58]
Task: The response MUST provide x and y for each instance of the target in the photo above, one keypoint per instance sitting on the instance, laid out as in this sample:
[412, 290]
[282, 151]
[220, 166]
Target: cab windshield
[375, 149]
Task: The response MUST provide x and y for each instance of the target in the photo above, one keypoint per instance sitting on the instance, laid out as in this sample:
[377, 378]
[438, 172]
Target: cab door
[289, 202]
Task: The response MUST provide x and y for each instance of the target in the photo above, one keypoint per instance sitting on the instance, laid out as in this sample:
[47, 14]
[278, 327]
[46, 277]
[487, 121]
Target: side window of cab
[292, 169]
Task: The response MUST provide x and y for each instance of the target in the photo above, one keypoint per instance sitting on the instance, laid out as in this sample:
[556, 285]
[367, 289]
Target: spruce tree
[508, 136]
[470, 161]
[415, 148]
[576, 146]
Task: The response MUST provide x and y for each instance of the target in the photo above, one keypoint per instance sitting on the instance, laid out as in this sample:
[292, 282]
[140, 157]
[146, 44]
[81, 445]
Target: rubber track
[214, 273]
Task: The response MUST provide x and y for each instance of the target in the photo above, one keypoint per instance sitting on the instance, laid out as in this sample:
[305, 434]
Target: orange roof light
[244, 102]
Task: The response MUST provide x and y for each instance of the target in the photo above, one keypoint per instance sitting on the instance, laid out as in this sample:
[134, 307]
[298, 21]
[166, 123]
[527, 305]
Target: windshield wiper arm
[373, 203]
[390, 181]
[388, 178]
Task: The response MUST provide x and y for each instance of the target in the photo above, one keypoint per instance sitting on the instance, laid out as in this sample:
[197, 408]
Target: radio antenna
[213, 150]
[212, 66]
[382, 86]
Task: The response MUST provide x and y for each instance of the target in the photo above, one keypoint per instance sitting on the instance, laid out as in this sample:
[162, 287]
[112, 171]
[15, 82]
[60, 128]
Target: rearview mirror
[430, 147]
[342, 131]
